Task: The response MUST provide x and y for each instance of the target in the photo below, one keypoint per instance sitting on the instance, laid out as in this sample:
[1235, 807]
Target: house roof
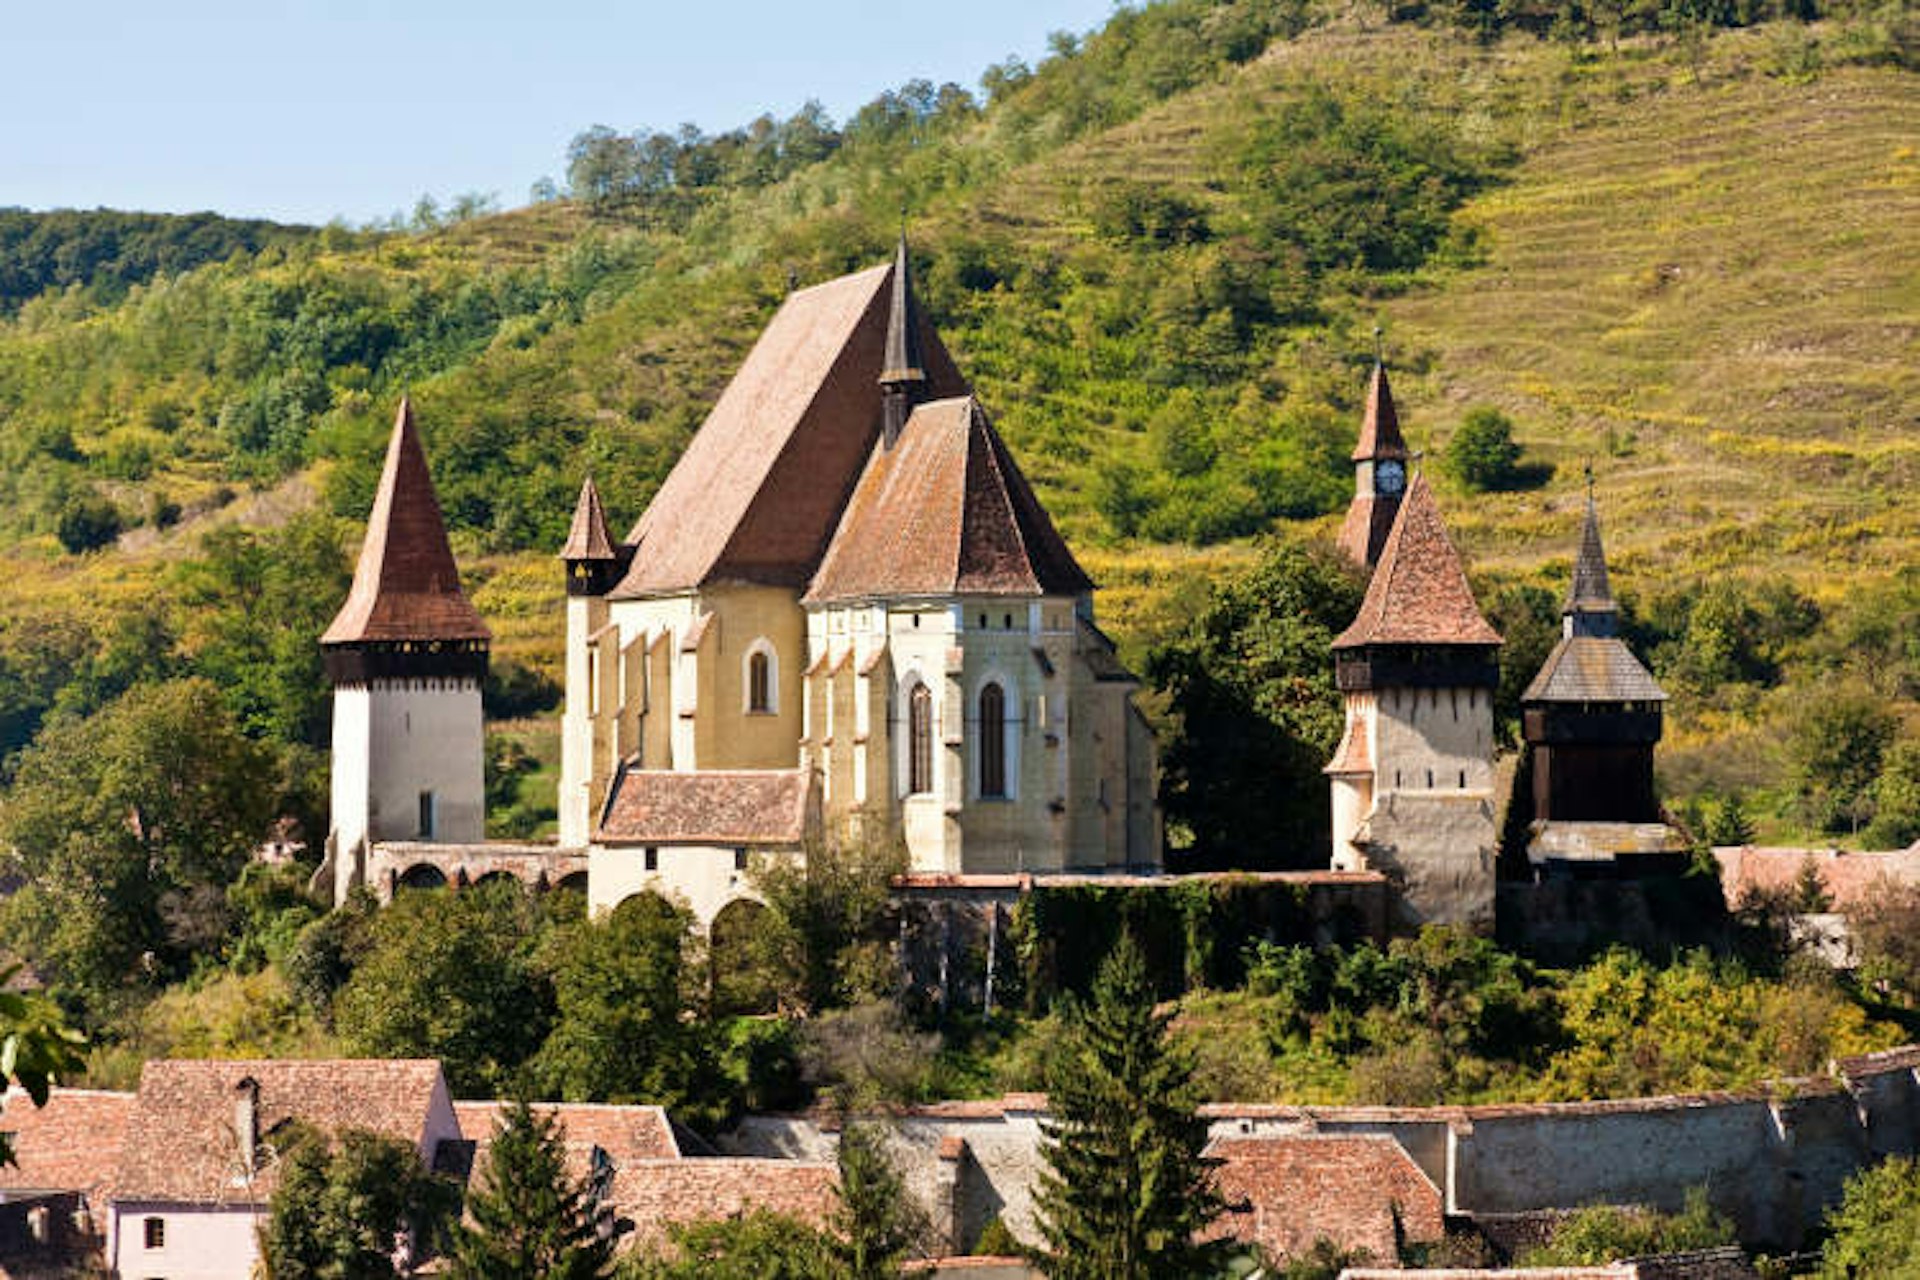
[406, 586]
[1380, 423]
[709, 806]
[588, 538]
[945, 511]
[71, 1144]
[1419, 592]
[1360, 1191]
[657, 1194]
[757, 493]
[625, 1133]
[180, 1144]
[1592, 669]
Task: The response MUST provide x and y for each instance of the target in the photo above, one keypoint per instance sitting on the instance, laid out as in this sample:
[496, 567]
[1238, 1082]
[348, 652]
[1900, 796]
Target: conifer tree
[874, 1222]
[529, 1220]
[1126, 1188]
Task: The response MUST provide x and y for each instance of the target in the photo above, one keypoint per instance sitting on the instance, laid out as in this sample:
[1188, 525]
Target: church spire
[1379, 471]
[903, 375]
[1590, 610]
[406, 586]
[593, 562]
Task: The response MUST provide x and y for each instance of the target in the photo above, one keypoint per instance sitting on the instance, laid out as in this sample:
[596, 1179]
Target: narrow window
[920, 740]
[653, 858]
[154, 1231]
[426, 815]
[740, 858]
[1463, 779]
[1429, 779]
[759, 682]
[992, 740]
[1006, 621]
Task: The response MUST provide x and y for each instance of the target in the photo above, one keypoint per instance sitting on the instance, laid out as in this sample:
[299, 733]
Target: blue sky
[354, 108]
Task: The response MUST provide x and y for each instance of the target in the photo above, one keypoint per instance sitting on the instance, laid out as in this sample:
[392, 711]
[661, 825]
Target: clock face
[1389, 477]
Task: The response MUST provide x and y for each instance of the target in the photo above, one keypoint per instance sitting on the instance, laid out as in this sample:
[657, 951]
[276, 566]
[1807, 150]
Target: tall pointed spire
[903, 374]
[1419, 594]
[1380, 427]
[406, 586]
[588, 539]
[1590, 610]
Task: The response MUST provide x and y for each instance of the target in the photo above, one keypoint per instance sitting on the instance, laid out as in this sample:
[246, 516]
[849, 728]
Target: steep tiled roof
[180, 1143]
[1590, 590]
[657, 1194]
[625, 1133]
[1380, 426]
[1354, 754]
[588, 538]
[1419, 592]
[944, 512]
[1593, 669]
[758, 491]
[406, 586]
[71, 1144]
[1286, 1192]
[709, 806]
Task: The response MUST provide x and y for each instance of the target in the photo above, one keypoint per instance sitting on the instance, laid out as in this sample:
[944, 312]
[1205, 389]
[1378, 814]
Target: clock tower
[1379, 474]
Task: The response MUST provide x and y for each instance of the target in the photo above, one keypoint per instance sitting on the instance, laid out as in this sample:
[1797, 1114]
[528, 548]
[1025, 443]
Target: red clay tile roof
[71, 1144]
[1419, 592]
[1354, 754]
[180, 1145]
[757, 493]
[1849, 878]
[625, 1133]
[1593, 669]
[709, 806]
[588, 538]
[1605, 1271]
[406, 586]
[656, 1194]
[945, 512]
[1287, 1192]
[1380, 426]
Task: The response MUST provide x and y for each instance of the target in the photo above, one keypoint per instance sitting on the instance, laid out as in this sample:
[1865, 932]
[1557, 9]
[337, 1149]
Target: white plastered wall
[394, 740]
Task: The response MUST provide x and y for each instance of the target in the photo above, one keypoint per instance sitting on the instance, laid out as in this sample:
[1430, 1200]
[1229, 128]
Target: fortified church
[846, 617]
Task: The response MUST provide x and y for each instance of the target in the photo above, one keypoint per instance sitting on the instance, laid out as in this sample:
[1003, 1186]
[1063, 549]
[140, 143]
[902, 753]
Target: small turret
[1590, 610]
[903, 374]
[594, 563]
[1380, 474]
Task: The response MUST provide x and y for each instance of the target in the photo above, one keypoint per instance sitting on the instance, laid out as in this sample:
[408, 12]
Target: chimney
[246, 1121]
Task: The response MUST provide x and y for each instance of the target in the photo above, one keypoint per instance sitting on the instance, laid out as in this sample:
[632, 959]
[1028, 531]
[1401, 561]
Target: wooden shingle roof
[760, 488]
[1419, 594]
[944, 512]
[1593, 669]
[406, 586]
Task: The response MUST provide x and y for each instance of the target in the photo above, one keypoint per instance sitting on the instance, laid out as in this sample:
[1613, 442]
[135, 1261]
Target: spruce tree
[874, 1222]
[1126, 1189]
[528, 1219]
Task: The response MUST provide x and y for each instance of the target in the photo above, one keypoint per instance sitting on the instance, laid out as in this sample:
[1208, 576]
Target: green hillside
[1161, 256]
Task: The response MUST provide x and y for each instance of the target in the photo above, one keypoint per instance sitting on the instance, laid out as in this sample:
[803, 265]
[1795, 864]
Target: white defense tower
[406, 656]
[594, 567]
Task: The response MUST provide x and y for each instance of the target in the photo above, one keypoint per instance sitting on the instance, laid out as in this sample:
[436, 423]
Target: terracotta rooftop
[1354, 754]
[71, 1144]
[1358, 1190]
[757, 493]
[1419, 592]
[180, 1144]
[406, 586]
[625, 1133]
[1593, 669]
[657, 1194]
[1849, 878]
[1380, 424]
[588, 538]
[945, 512]
[709, 806]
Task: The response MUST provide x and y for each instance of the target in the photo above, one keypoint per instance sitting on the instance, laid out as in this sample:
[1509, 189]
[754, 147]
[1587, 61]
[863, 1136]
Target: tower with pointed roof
[1591, 718]
[1379, 474]
[406, 655]
[1412, 779]
[844, 595]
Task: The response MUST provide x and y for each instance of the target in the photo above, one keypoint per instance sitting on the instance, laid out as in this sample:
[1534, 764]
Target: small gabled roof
[70, 1144]
[588, 538]
[1380, 425]
[1590, 591]
[1593, 669]
[406, 585]
[180, 1144]
[1419, 592]
[709, 806]
[757, 494]
[945, 512]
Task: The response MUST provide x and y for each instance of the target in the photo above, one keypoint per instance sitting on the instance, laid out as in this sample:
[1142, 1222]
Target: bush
[1482, 454]
[88, 523]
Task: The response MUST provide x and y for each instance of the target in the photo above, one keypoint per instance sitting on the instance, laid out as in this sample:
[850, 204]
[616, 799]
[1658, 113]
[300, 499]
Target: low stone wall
[392, 865]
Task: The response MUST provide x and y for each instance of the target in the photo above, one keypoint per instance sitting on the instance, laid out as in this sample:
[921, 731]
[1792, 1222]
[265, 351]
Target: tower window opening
[993, 742]
[920, 740]
[740, 858]
[1463, 779]
[427, 815]
[652, 858]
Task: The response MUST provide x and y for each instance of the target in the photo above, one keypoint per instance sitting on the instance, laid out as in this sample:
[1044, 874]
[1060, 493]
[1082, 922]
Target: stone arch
[573, 882]
[496, 876]
[745, 967]
[645, 900]
[422, 875]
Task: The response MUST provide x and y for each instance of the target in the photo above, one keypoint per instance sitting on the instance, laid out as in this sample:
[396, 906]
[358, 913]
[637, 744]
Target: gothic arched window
[920, 740]
[992, 740]
[763, 679]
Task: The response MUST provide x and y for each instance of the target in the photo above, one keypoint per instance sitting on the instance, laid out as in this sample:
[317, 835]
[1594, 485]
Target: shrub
[1482, 454]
